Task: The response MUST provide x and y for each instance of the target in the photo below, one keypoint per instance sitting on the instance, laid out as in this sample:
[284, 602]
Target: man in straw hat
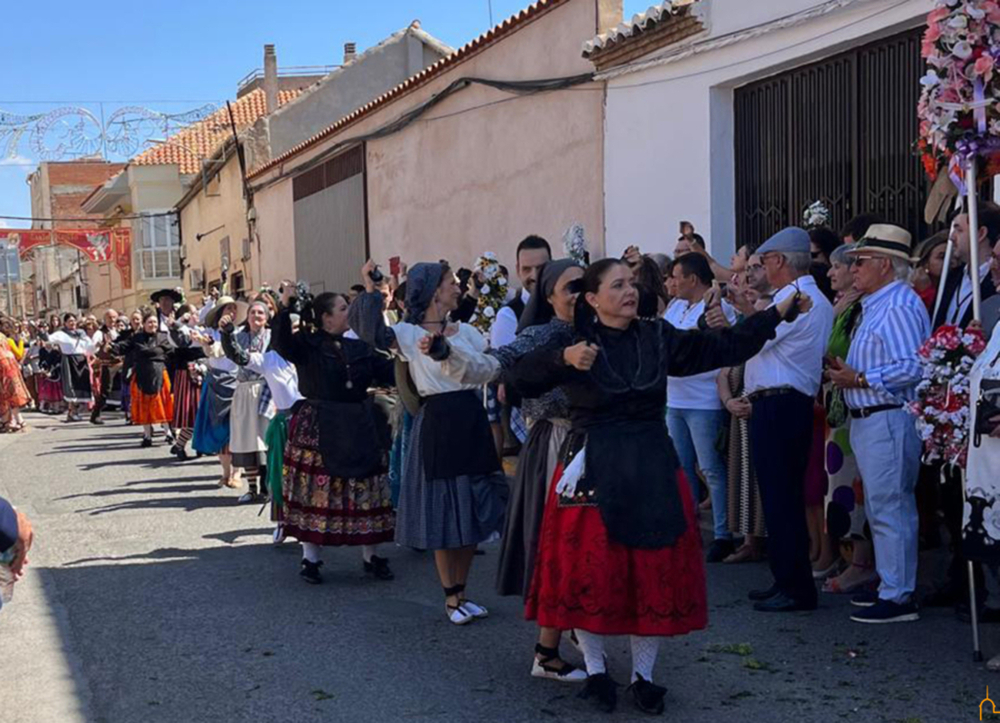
[879, 377]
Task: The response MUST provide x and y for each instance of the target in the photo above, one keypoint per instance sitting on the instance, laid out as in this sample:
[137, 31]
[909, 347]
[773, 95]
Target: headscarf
[422, 281]
[539, 310]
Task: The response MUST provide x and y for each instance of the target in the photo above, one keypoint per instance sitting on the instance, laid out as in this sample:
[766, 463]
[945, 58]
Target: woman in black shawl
[152, 400]
[620, 548]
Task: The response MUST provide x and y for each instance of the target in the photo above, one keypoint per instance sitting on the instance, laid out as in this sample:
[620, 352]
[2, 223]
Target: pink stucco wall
[470, 176]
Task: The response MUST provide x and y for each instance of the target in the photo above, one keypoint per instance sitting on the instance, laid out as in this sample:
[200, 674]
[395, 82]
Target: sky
[174, 57]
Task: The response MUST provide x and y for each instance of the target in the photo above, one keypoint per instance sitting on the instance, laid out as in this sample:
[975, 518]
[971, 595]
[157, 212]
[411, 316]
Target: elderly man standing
[782, 381]
[879, 377]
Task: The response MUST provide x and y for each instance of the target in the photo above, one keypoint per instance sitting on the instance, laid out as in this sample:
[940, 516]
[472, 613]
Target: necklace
[348, 384]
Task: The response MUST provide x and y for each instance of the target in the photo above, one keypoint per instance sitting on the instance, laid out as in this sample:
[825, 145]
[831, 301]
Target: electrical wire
[520, 88]
[130, 217]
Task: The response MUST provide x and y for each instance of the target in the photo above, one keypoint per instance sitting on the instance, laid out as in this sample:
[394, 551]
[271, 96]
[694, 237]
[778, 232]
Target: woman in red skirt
[152, 401]
[620, 547]
[187, 381]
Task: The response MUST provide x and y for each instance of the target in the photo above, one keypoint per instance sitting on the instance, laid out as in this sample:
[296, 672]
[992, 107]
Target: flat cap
[791, 240]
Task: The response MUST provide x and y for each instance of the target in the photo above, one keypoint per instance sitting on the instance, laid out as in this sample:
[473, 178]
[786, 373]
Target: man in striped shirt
[879, 377]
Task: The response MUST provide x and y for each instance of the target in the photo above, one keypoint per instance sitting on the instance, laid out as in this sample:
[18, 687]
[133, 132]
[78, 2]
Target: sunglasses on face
[862, 260]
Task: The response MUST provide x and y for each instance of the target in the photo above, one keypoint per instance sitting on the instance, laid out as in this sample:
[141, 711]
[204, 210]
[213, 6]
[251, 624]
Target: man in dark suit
[15, 532]
[956, 303]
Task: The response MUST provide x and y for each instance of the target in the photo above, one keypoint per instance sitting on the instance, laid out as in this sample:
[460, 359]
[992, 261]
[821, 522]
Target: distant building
[59, 278]
[219, 226]
[150, 186]
[478, 170]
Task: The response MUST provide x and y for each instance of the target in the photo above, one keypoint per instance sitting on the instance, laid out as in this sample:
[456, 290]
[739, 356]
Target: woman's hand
[424, 344]
[366, 275]
[798, 300]
[226, 321]
[739, 407]
[581, 356]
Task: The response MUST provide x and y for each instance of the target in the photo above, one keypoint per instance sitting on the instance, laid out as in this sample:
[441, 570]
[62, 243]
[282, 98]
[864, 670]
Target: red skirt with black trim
[585, 580]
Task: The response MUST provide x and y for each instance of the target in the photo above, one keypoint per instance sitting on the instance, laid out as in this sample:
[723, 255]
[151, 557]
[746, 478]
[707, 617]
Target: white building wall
[669, 152]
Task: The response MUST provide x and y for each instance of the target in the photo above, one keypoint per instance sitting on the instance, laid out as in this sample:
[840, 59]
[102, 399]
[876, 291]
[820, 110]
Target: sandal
[835, 569]
[835, 587]
[457, 614]
[543, 667]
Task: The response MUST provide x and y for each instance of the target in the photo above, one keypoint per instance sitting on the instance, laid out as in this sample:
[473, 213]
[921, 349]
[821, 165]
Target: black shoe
[761, 595]
[865, 599]
[379, 567]
[602, 692]
[96, 420]
[146, 442]
[648, 697]
[781, 603]
[719, 550]
[886, 611]
[310, 572]
[987, 615]
[179, 452]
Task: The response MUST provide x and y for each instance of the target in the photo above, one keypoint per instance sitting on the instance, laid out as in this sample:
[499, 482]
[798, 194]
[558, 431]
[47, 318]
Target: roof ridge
[471, 48]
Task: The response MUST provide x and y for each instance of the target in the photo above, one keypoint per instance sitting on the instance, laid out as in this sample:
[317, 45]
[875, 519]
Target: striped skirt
[152, 408]
[187, 394]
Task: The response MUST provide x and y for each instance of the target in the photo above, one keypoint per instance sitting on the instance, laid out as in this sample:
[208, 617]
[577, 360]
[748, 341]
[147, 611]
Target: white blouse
[428, 375]
[73, 345]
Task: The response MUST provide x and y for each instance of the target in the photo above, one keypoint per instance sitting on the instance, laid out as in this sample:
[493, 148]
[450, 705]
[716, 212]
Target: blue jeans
[887, 448]
[695, 433]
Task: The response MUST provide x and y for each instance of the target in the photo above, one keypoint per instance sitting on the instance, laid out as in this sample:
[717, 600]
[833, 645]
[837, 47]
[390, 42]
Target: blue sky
[189, 52]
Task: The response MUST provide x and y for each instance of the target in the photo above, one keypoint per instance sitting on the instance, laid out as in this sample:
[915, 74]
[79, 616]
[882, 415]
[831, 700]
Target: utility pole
[6, 279]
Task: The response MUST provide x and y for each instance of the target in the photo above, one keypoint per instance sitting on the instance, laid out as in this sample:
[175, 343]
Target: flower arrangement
[816, 215]
[959, 106]
[492, 291]
[942, 404]
[575, 244]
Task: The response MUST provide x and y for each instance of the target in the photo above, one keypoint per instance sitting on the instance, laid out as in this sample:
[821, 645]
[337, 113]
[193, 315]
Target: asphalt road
[152, 596]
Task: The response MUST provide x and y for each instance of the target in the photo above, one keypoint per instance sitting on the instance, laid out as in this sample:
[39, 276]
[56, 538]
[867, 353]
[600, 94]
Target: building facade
[57, 278]
[478, 170]
[736, 116]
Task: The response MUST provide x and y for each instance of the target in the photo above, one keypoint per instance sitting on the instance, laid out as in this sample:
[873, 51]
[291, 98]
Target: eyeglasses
[860, 260]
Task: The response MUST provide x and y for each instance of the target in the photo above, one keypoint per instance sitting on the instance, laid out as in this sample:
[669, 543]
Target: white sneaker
[476, 611]
[459, 615]
[279, 534]
[568, 674]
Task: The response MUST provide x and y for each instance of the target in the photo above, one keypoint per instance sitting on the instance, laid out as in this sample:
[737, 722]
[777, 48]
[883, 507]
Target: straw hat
[212, 318]
[885, 239]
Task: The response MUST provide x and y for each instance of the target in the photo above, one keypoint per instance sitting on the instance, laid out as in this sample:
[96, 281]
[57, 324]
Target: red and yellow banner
[101, 246]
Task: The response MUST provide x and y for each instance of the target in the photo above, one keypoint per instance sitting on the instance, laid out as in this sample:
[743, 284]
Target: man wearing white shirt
[695, 416]
[782, 382]
[532, 253]
[956, 303]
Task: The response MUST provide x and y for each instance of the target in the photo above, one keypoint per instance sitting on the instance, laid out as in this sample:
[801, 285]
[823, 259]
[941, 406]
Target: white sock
[147, 431]
[367, 551]
[592, 646]
[310, 551]
[644, 652]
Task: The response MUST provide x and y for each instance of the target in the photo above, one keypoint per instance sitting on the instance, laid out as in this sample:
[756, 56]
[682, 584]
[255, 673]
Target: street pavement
[152, 596]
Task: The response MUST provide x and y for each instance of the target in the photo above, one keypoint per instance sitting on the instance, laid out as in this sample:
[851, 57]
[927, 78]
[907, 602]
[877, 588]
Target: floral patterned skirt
[583, 579]
[330, 510]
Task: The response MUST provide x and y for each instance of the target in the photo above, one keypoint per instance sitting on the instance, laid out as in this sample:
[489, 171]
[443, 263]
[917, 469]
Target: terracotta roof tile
[200, 140]
[657, 19]
[468, 50]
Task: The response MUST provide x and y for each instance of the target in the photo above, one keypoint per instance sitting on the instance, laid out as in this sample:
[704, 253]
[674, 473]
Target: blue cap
[791, 240]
